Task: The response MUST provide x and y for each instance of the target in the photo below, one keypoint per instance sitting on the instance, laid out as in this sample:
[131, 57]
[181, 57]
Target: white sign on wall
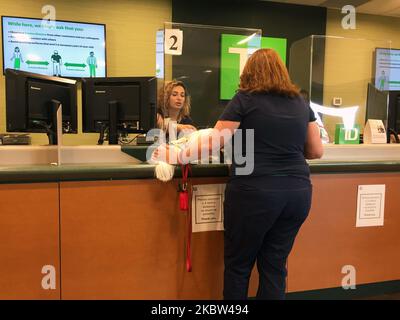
[207, 207]
[370, 205]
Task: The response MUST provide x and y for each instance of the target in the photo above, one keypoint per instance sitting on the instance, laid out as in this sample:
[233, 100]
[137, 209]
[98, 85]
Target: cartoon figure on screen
[383, 80]
[57, 61]
[92, 62]
[17, 57]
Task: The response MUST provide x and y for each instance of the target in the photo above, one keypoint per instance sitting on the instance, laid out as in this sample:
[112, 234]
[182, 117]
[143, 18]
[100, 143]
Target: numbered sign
[173, 41]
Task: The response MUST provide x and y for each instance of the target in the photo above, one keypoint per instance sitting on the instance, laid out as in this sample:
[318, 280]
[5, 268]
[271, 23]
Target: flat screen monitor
[119, 105]
[387, 69]
[54, 48]
[32, 101]
[394, 113]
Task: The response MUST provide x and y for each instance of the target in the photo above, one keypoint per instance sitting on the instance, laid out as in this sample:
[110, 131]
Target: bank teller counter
[111, 230]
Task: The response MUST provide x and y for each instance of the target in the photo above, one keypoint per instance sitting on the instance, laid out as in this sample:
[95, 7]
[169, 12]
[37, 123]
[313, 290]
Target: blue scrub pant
[261, 223]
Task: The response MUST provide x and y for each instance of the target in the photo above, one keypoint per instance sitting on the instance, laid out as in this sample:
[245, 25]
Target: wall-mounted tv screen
[55, 48]
[387, 69]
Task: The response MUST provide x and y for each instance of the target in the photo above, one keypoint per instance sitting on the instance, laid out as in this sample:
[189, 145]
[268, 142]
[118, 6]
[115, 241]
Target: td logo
[235, 51]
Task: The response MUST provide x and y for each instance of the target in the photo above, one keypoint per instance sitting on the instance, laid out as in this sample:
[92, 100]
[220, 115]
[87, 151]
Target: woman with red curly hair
[264, 207]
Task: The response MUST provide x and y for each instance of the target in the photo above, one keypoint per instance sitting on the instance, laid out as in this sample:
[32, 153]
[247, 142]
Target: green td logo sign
[235, 50]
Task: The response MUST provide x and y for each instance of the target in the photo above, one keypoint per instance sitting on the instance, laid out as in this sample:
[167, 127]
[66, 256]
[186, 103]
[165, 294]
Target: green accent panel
[278, 44]
[354, 167]
[230, 62]
[93, 172]
[347, 136]
[89, 172]
[98, 171]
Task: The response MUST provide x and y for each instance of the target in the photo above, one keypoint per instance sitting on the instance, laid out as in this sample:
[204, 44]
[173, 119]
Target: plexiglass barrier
[346, 79]
[208, 60]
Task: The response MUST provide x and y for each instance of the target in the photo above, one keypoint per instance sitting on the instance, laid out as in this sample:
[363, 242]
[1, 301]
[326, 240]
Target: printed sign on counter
[370, 205]
[374, 132]
[207, 207]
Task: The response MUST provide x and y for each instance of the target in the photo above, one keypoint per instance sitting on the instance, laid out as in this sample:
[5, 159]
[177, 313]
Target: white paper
[207, 207]
[374, 132]
[173, 42]
[370, 205]
[160, 54]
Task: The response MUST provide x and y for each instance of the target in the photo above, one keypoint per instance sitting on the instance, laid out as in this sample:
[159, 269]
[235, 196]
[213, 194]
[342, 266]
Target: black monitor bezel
[86, 83]
[374, 63]
[48, 79]
[90, 23]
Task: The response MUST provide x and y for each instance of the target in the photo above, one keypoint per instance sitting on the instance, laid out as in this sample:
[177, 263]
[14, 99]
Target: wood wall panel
[29, 239]
[330, 240]
[126, 240]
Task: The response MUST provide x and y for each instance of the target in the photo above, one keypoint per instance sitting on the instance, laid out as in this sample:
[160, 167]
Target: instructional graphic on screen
[66, 49]
[387, 71]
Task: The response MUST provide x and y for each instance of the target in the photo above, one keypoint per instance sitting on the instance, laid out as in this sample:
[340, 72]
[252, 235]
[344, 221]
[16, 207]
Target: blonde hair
[265, 72]
[163, 99]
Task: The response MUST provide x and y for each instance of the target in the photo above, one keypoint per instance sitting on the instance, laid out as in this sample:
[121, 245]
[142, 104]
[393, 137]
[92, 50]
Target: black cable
[102, 134]
[130, 141]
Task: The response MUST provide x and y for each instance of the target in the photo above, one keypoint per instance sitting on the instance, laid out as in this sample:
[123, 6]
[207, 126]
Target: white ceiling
[378, 7]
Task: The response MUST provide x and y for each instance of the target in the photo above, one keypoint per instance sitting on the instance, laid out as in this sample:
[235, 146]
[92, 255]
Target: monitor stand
[51, 128]
[112, 122]
[102, 133]
[52, 133]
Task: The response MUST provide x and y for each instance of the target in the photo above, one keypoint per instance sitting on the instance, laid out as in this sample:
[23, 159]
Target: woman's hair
[304, 93]
[265, 72]
[163, 99]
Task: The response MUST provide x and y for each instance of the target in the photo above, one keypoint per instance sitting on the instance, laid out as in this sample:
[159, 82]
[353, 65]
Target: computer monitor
[32, 101]
[387, 73]
[122, 105]
[394, 114]
[385, 106]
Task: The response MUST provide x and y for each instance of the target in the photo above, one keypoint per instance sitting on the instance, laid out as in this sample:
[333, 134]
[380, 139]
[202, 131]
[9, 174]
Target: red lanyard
[184, 206]
[183, 192]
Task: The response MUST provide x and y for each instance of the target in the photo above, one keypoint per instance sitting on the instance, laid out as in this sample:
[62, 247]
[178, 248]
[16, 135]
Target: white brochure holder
[374, 132]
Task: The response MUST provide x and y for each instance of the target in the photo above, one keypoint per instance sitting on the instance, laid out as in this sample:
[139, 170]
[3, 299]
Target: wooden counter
[115, 232]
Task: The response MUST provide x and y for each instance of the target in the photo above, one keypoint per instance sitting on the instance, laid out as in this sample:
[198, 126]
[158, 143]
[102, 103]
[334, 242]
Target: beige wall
[349, 63]
[131, 33]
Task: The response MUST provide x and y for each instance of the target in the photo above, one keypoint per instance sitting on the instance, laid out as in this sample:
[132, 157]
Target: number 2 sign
[173, 42]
